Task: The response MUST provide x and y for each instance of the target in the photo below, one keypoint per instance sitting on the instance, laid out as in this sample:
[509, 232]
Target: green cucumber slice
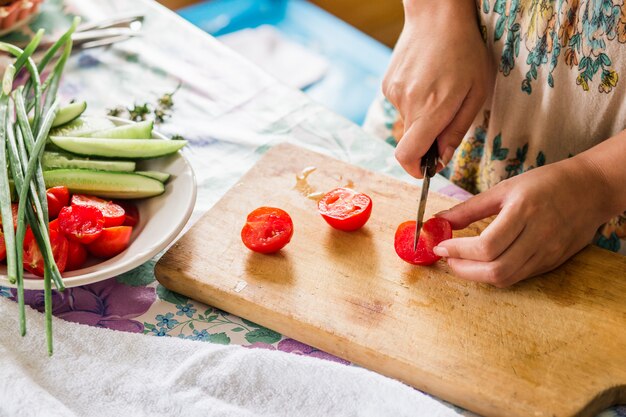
[124, 185]
[141, 130]
[118, 148]
[157, 175]
[56, 160]
[83, 126]
[68, 113]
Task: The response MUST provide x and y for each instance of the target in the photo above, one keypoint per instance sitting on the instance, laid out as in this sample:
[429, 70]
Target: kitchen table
[231, 113]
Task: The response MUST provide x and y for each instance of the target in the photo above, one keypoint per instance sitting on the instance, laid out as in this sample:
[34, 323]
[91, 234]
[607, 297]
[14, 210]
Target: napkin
[101, 372]
[289, 62]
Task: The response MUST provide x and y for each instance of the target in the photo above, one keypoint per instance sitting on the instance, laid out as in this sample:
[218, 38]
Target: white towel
[101, 372]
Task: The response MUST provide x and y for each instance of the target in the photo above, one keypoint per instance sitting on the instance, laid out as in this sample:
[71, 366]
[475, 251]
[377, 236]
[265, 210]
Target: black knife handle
[429, 161]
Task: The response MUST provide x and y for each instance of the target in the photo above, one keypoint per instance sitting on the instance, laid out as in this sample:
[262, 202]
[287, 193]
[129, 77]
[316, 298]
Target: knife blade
[429, 168]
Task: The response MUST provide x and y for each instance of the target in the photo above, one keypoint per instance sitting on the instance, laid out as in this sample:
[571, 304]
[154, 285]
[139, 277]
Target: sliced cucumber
[141, 130]
[56, 160]
[104, 184]
[157, 175]
[83, 126]
[118, 148]
[68, 113]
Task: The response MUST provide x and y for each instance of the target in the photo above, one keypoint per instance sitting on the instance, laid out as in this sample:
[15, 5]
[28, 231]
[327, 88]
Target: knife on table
[429, 167]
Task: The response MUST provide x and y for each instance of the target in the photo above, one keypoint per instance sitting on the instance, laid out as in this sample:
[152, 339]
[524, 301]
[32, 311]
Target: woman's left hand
[544, 217]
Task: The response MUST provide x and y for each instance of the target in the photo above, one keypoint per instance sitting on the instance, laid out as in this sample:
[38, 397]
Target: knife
[429, 168]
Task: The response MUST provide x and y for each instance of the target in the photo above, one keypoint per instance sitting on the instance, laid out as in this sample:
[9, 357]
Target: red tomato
[132, 213]
[3, 248]
[114, 215]
[54, 225]
[267, 230]
[434, 231]
[81, 223]
[33, 259]
[112, 241]
[58, 197]
[76, 256]
[14, 208]
[345, 209]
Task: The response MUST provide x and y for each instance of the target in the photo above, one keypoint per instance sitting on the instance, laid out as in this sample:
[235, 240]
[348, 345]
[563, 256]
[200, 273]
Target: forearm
[606, 163]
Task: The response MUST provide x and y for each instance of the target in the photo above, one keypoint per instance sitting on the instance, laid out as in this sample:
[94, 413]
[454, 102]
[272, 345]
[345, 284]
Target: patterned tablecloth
[231, 113]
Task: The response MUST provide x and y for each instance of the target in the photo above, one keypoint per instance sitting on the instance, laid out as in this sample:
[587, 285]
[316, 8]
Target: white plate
[161, 219]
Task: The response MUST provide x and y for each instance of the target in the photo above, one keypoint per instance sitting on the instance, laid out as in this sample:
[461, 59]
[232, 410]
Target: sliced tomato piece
[114, 214]
[54, 225]
[267, 230]
[131, 212]
[58, 197]
[434, 231]
[14, 208]
[345, 209]
[3, 248]
[112, 242]
[82, 224]
[76, 256]
[33, 259]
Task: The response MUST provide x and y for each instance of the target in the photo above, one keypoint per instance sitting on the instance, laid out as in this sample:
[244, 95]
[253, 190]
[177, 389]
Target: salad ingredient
[140, 130]
[76, 256]
[68, 113]
[58, 197]
[57, 160]
[83, 224]
[345, 209]
[267, 230]
[434, 231]
[111, 242]
[122, 185]
[114, 214]
[118, 148]
[34, 260]
[131, 217]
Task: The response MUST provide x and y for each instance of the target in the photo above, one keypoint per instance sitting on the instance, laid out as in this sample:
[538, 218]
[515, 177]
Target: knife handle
[429, 161]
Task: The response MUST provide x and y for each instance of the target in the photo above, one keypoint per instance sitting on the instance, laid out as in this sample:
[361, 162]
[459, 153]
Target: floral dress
[557, 93]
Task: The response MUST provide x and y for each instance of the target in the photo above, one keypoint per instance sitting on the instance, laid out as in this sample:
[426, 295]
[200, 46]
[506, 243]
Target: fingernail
[441, 251]
[447, 156]
[441, 213]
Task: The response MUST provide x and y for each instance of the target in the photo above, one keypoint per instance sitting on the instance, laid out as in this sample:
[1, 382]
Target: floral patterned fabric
[558, 65]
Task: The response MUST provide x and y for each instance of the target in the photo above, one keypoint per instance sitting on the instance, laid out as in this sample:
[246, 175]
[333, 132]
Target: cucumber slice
[141, 130]
[104, 184]
[83, 126]
[56, 160]
[118, 148]
[157, 175]
[68, 113]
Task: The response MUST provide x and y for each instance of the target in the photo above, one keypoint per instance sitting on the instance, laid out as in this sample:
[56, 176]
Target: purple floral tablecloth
[231, 113]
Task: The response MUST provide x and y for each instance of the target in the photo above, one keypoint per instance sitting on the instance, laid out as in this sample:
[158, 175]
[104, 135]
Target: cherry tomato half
[14, 208]
[114, 215]
[76, 256]
[3, 248]
[58, 197]
[81, 223]
[131, 213]
[345, 209]
[434, 231]
[267, 230]
[33, 259]
[112, 242]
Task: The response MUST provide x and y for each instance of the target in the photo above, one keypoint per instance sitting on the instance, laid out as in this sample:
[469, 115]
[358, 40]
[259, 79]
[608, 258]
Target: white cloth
[100, 372]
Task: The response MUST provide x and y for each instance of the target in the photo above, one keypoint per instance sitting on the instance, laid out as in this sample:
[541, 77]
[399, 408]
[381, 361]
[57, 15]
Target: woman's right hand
[438, 78]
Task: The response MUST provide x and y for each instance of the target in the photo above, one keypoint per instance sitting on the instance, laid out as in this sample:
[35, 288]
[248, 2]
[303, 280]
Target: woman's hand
[544, 217]
[438, 78]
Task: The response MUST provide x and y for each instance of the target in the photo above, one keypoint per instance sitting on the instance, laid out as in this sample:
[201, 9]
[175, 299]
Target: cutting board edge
[471, 401]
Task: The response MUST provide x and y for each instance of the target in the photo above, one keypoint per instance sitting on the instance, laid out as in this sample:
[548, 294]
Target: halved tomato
[267, 230]
[114, 214]
[131, 212]
[434, 231]
[14, 208]
[345, 209]
[58, 197]
[3, 248]
[33, 259]
[81, 223]
[76, 256]
[112, 242]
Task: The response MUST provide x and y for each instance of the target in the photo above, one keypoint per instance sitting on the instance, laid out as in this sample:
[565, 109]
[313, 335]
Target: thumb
[479, 207]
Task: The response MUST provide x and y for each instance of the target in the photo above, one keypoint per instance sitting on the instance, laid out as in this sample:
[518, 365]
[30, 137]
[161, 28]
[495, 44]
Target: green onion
[5, 197]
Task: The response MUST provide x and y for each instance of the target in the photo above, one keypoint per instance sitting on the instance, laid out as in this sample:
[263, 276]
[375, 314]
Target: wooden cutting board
[551, 346]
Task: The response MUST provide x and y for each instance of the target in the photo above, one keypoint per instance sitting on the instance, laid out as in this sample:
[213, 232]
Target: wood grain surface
[550, 346]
